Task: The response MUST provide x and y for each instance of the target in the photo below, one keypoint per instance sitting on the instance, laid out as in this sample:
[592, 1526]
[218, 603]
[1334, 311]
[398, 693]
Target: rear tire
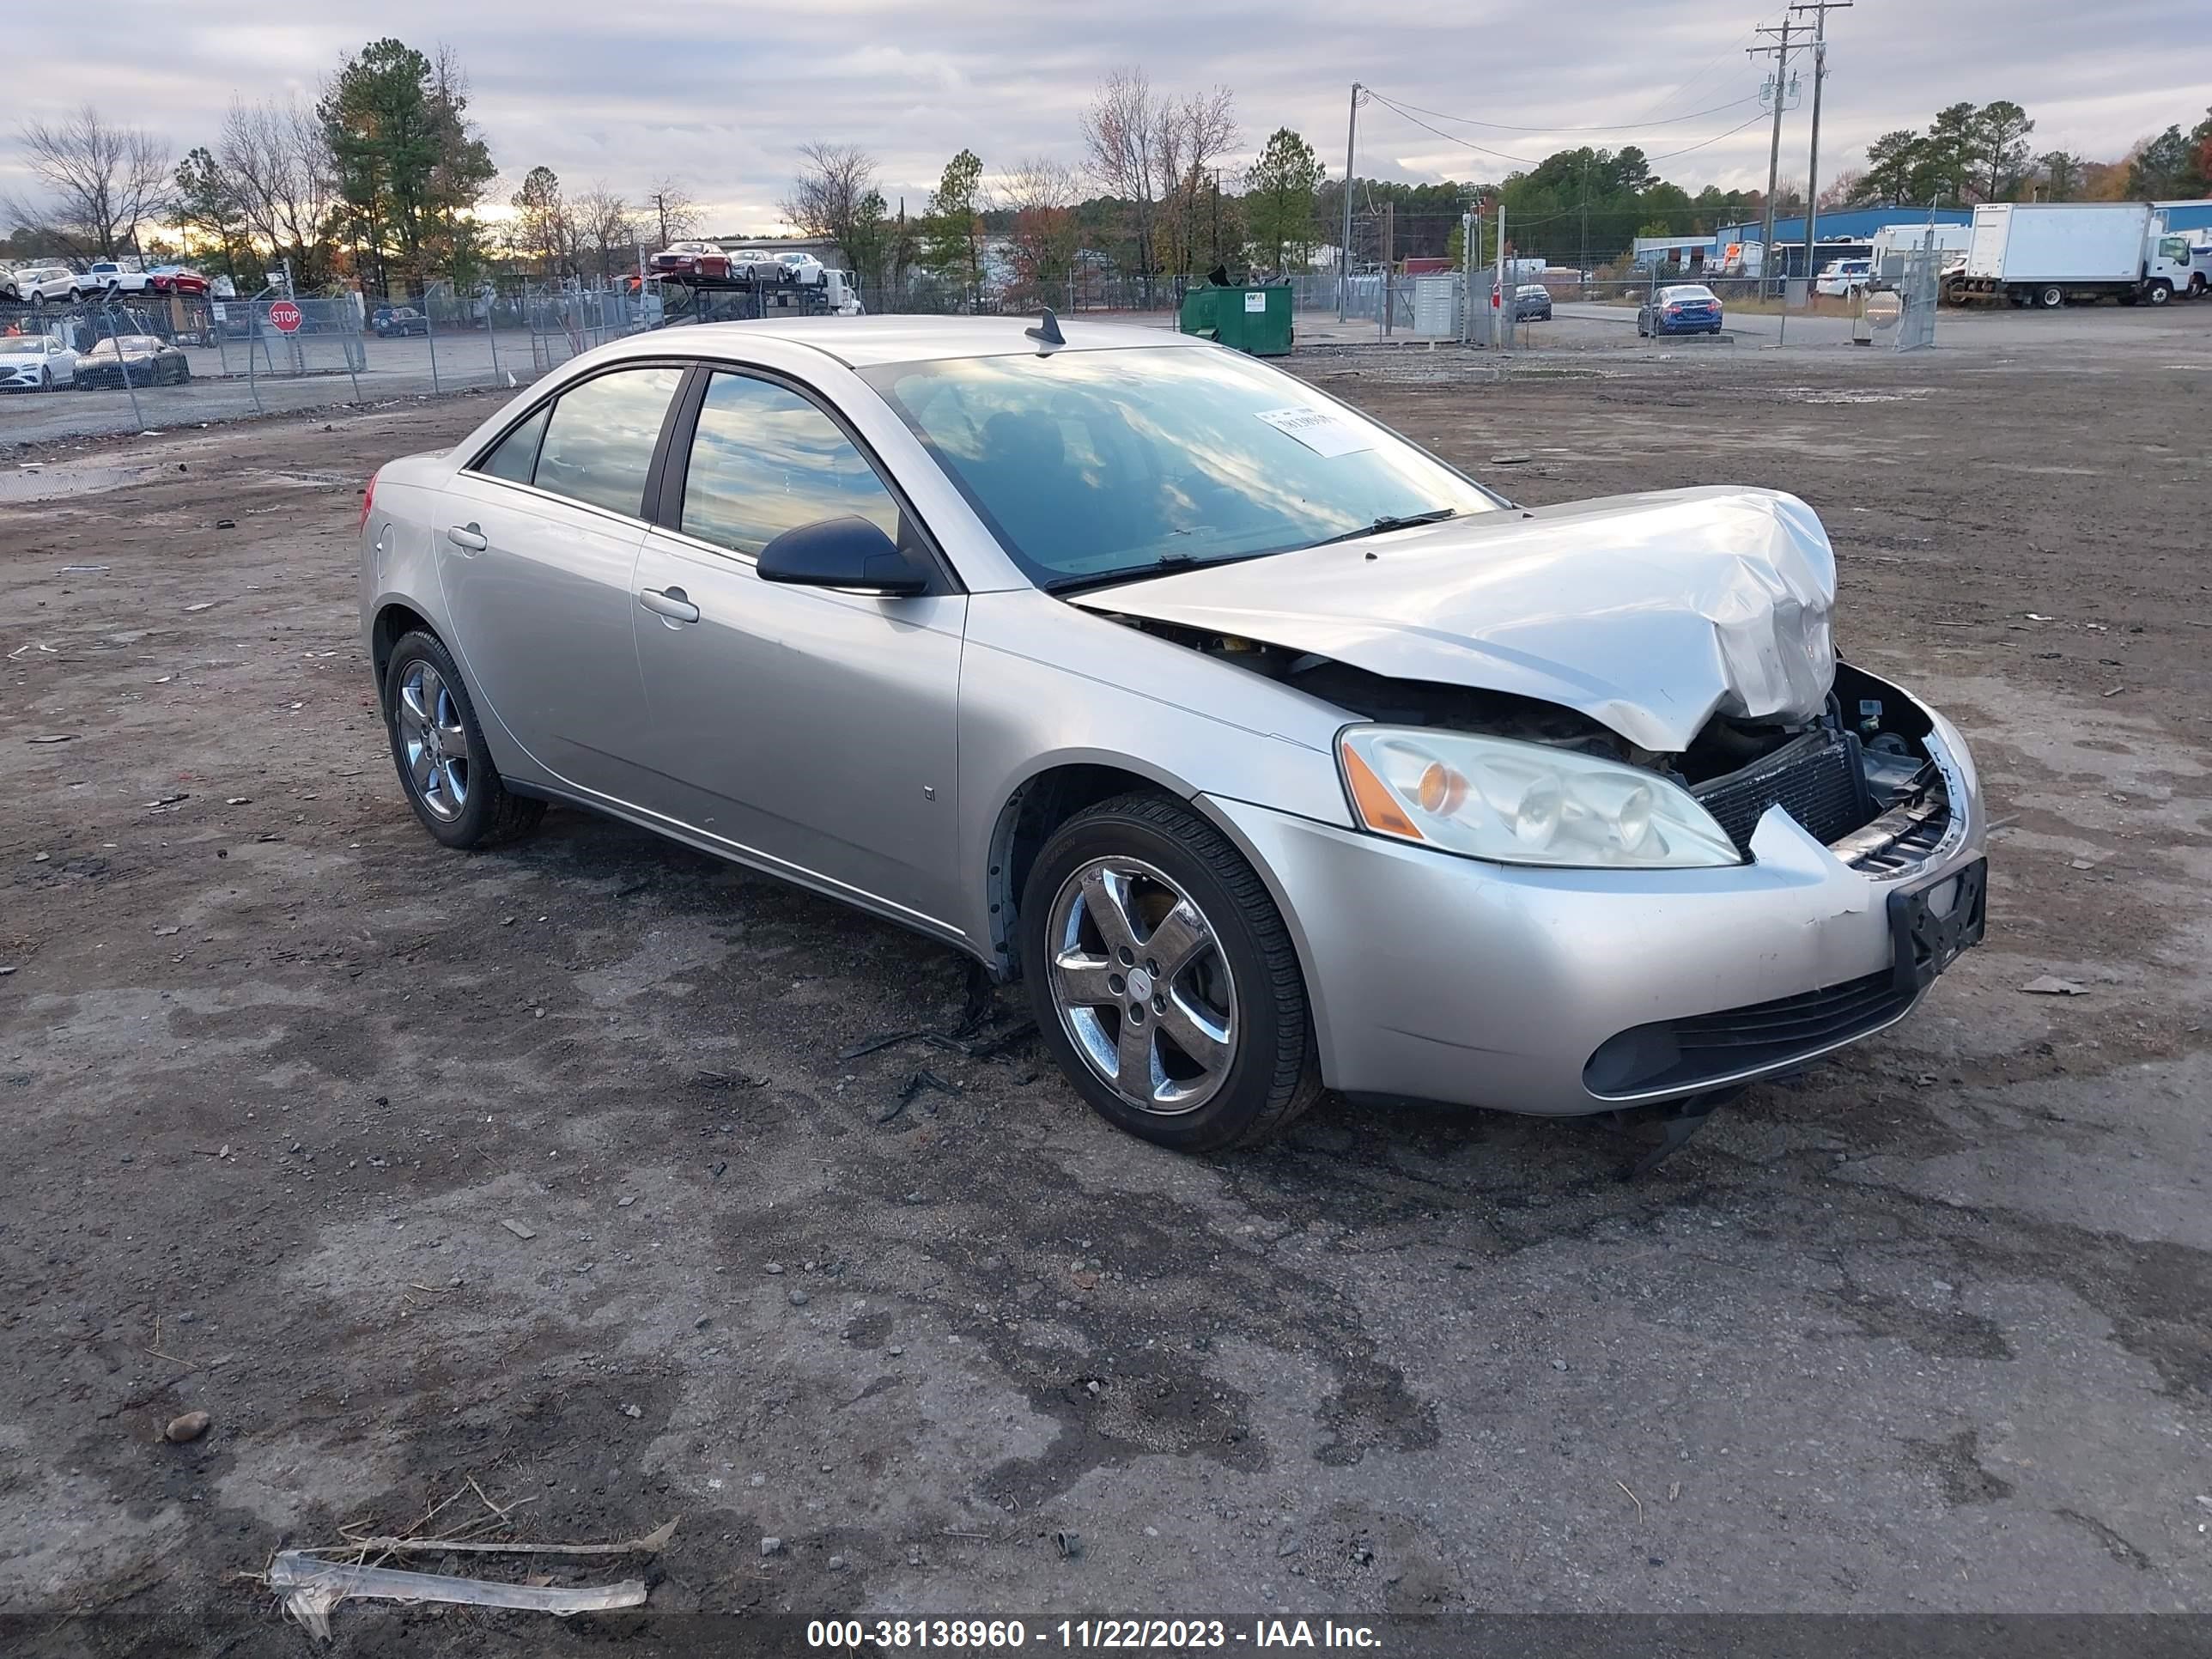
[1253, 1067]
[453, 786]
[2051, 298]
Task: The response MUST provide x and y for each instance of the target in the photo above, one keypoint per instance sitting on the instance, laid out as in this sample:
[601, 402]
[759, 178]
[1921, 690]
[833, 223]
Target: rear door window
[600, 437]
[516, 457]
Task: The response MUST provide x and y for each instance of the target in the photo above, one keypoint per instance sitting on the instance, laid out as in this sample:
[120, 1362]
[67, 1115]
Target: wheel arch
[395, 619]
[1055, 792]
[1044, 799]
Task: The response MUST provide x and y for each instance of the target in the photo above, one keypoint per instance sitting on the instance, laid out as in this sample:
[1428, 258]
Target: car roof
[867, 342]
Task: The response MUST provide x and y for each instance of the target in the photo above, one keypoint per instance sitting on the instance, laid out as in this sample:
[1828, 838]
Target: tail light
[367, 501]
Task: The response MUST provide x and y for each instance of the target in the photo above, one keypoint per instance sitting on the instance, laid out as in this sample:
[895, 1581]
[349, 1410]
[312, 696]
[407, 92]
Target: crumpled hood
[1649, 613]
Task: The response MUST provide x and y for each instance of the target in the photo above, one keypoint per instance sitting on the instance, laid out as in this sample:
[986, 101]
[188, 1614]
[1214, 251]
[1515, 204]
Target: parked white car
[35, 362]
[1842, 278]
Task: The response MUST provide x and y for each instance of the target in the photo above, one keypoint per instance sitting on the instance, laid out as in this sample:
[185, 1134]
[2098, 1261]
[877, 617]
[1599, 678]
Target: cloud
[722, 96]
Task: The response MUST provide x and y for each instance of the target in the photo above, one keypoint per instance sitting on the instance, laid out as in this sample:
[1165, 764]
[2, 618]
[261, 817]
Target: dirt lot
[1926, 1330]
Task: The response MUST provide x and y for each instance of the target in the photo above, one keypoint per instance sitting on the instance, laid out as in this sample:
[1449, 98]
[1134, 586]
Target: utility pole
[1469, 235]
[1780, 52]
[1344, 249]
[1819, 9]
[1501, 321]
[1389, 261]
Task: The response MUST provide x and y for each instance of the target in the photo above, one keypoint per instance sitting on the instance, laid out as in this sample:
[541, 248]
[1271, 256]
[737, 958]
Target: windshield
[27, 345]
[1088, 464]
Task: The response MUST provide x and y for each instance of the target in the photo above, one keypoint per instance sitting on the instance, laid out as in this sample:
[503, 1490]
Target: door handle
[467, 538]
[671, 603]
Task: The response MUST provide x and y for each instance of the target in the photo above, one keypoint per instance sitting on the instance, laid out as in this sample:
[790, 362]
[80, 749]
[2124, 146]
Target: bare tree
[275, 162]
[1191, 136]
[102, 182]
[1046, 239]
[606, 226]
[830, 194]
[673, 212]
[1120, 139]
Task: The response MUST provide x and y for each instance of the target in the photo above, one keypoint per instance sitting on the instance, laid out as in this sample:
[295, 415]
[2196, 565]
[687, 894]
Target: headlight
[1523, 803]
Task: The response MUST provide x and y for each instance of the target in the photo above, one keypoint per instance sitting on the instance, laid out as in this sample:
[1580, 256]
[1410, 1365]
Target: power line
[1669, 154]
[1501, 126]
[1725, 51]
[1460, 143]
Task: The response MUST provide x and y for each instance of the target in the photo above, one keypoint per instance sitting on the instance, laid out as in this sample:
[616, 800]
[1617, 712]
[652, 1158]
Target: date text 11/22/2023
[1153, 1635]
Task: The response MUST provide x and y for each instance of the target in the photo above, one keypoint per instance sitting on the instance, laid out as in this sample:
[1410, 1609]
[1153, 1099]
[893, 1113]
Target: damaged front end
[1866, 776]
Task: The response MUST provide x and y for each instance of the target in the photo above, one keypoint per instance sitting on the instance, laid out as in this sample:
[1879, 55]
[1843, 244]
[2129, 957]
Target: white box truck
[2047, 254]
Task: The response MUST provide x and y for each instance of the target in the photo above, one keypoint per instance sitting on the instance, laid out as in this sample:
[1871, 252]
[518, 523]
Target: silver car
[1268, 751]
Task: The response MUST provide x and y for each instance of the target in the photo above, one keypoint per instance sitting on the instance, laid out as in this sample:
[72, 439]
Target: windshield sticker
[1322, 430]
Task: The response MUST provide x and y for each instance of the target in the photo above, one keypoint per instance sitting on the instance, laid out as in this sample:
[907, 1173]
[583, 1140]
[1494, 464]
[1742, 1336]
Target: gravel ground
[543, 1168]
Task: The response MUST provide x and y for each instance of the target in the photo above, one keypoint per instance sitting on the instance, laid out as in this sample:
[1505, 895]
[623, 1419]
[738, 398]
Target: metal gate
[1916, 293]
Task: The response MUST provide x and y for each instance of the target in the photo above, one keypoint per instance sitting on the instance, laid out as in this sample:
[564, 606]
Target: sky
[722, 95]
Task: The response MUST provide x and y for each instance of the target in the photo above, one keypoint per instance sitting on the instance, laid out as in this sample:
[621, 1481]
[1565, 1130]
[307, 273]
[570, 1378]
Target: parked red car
[692, 259]
[176, 279]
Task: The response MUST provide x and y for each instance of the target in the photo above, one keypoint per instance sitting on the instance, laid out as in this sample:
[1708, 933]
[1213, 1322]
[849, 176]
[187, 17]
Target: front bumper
[1439, 978]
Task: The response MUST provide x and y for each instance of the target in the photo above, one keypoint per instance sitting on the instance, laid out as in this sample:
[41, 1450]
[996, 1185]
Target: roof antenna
[1046, 333]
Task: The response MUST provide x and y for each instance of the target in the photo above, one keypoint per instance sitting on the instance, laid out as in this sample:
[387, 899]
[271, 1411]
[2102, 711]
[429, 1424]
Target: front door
[536, 549]
[814, 731]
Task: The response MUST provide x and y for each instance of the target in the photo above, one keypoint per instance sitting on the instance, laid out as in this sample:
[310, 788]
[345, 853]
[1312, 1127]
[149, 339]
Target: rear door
[812, 730]
[536, 544]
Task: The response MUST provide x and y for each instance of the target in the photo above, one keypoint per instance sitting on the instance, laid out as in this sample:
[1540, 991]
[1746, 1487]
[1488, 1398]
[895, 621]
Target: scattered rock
[632, 1412]
[41, 858]
[1069, 1544]
[1287, 1544]
[773, 1268]
[519, 1230]
[700, 1322]
[2049, 984]
[771, 1547]
[836, 1563]
[799, 1298]
[1558, 1365]
[190, 1426]
[625, 1201]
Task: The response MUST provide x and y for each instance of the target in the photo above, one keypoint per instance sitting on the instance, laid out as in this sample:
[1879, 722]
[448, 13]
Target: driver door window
[766, 460]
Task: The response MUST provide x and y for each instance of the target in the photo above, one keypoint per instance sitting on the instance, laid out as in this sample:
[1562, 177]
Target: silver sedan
[1267, 750]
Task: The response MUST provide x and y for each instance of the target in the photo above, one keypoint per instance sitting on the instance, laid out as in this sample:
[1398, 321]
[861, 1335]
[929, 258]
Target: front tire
[1163, 980]
[438, 750]
[2159, 293]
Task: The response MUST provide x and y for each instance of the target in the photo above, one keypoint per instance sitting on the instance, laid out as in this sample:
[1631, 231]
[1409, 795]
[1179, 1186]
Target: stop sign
[284, 317]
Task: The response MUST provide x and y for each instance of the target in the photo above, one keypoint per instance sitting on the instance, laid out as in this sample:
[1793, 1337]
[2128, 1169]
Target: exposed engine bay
[1858, 776]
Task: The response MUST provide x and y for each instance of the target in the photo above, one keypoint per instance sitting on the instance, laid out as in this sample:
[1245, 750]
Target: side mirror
[848, 552]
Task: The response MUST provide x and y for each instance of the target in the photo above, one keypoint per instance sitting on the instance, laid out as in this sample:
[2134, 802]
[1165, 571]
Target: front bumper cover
[1441, 978]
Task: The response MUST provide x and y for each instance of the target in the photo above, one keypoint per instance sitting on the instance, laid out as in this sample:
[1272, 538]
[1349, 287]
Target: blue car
[1680, 309]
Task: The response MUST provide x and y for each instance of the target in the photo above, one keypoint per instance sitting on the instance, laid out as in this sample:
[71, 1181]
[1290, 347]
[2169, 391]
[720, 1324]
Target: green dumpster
[1254, 319]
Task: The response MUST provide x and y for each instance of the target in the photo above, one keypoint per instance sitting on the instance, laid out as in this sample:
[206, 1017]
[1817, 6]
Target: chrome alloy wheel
[1142, 986]
[434, 740]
